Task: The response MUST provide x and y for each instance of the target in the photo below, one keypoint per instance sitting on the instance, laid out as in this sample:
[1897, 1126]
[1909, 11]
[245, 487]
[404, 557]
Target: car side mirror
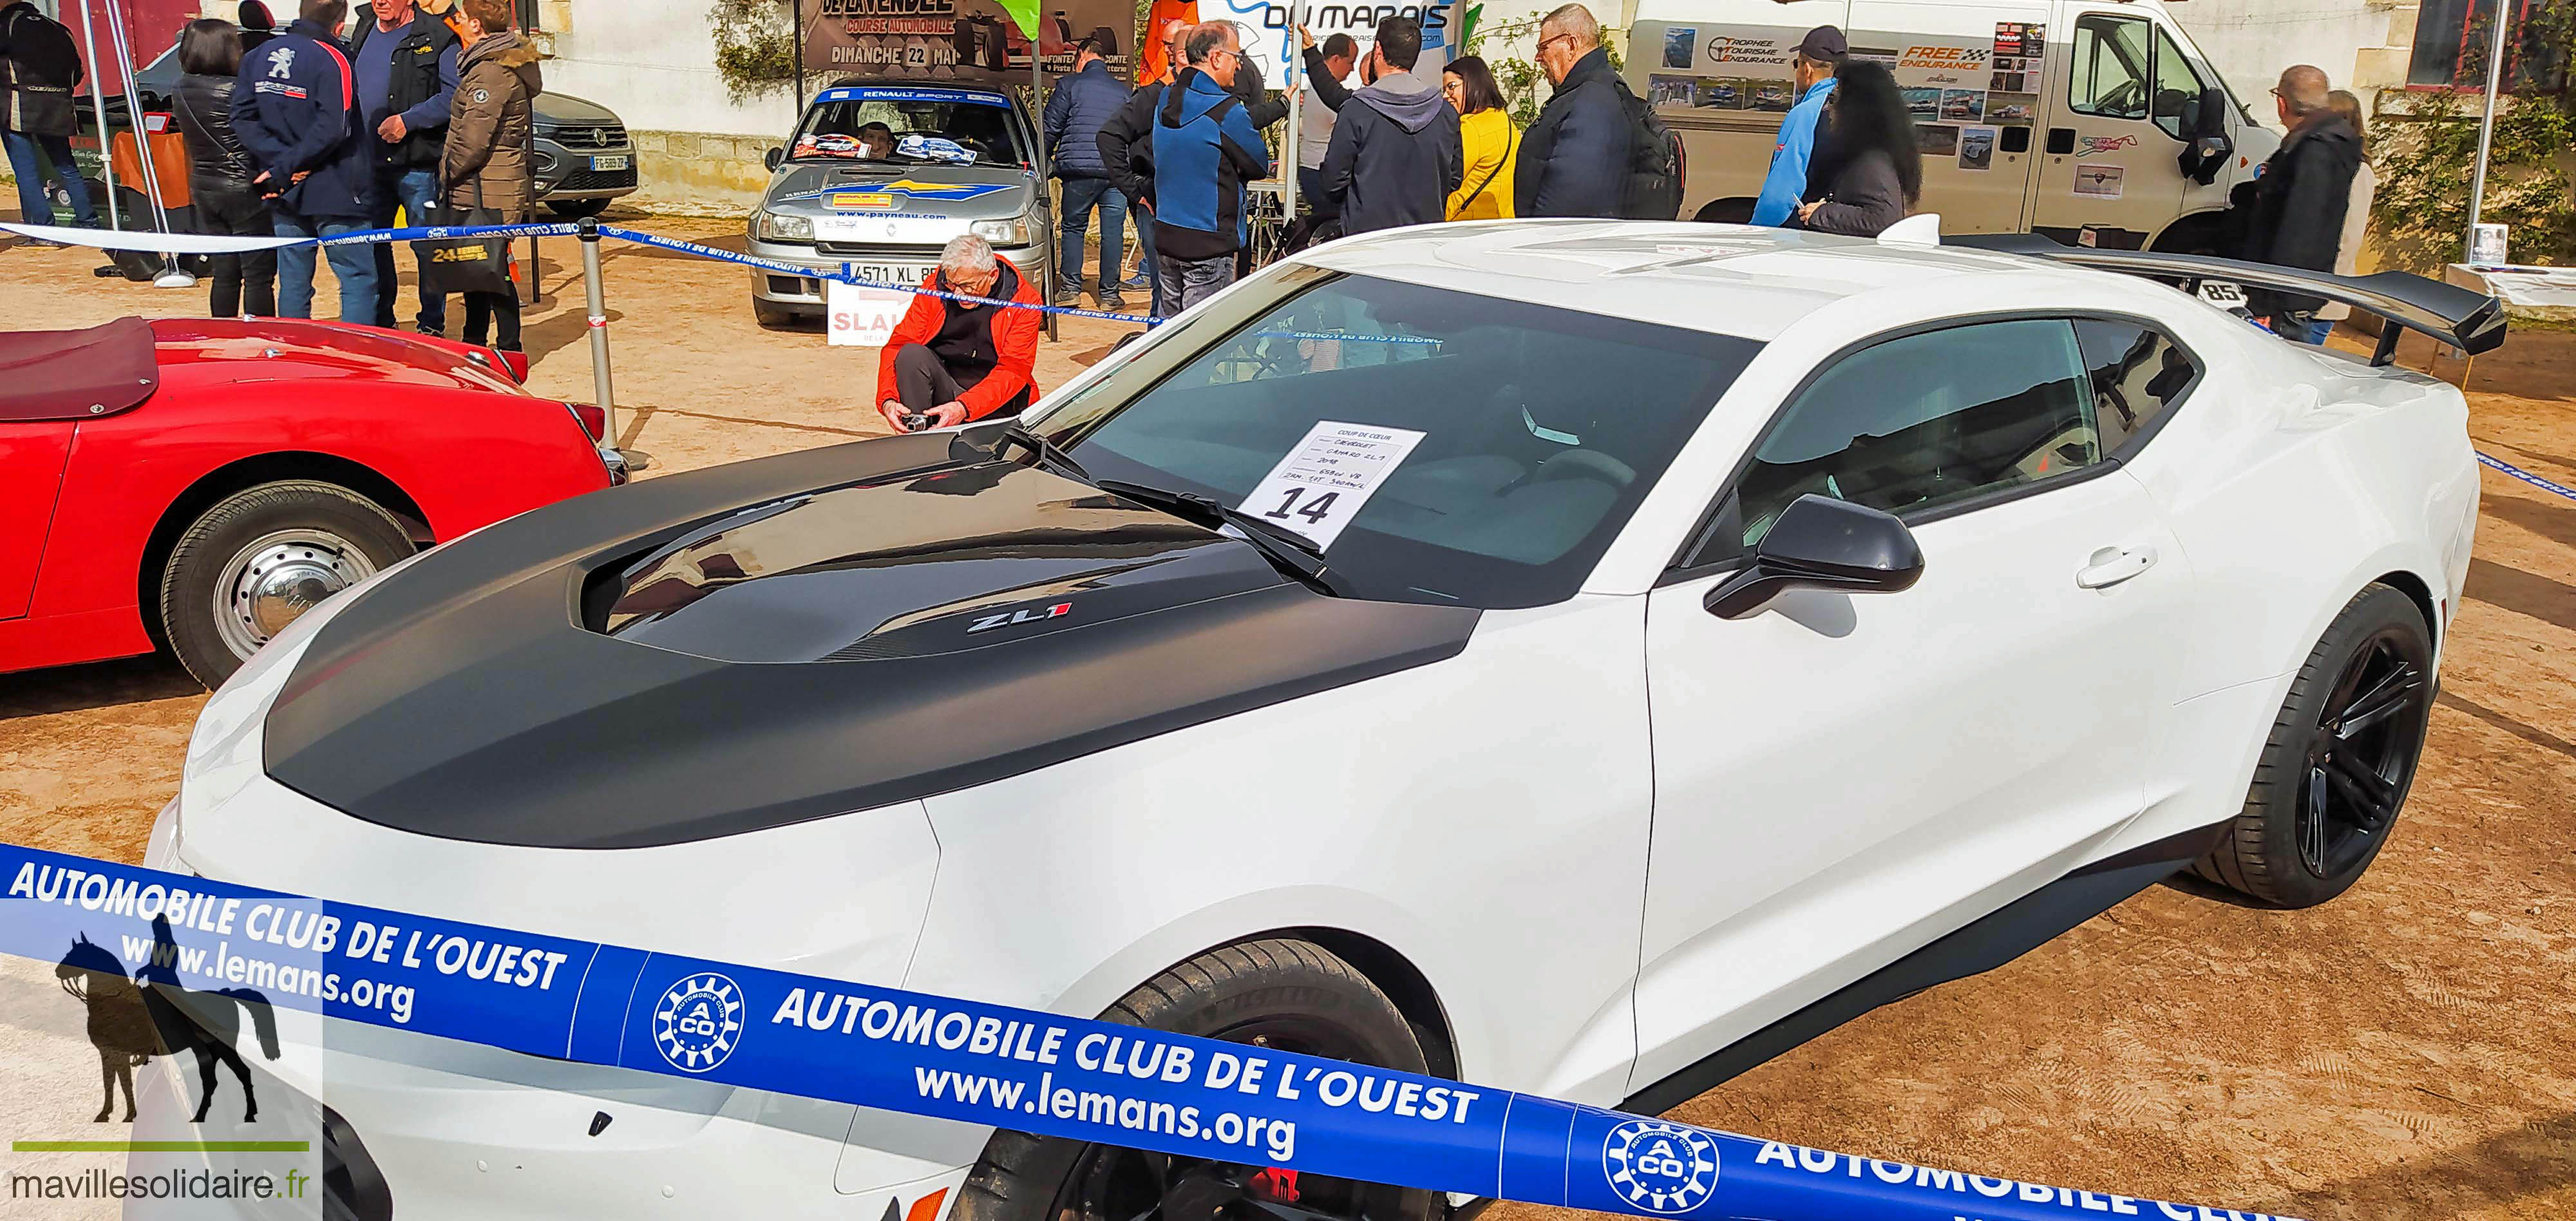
[1822, 543]
[2210, 117]
[771, 158]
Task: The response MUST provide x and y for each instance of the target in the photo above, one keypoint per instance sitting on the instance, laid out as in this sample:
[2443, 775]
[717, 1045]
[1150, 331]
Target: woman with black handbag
[485, 167]
[220, 171]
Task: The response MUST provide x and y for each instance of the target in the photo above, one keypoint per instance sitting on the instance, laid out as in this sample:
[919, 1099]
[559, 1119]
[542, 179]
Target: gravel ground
[2404, 1052]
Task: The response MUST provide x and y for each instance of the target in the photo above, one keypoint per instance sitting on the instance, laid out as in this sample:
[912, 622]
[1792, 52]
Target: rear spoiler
[2470, 321]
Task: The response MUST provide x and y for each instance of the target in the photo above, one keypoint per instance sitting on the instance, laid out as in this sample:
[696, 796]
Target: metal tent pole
[172, 276]
[98, 101]
[2496, 35]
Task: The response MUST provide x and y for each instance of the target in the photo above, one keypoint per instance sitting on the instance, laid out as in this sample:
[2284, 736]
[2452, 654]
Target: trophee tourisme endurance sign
[987, 1064]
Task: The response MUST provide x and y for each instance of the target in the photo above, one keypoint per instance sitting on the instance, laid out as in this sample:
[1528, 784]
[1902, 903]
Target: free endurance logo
[1660, 1167]
[698, 1022]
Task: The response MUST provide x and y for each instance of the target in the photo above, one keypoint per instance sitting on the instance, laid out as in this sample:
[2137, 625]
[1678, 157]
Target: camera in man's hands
[915, 423]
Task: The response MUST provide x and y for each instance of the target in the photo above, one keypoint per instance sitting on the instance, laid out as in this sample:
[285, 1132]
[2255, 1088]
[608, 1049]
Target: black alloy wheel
[2361, 756]
[2334, 770]
[1109, 1183]
[1281, 994]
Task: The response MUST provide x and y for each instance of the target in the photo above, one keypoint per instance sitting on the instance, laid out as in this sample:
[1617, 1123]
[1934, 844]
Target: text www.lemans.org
[1275, 1137]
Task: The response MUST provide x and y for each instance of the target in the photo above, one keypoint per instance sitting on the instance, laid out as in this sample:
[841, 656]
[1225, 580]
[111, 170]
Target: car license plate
[609, 163]
[894, 274]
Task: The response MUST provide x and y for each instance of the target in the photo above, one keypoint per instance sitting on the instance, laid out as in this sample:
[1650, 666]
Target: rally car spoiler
[2473, 322]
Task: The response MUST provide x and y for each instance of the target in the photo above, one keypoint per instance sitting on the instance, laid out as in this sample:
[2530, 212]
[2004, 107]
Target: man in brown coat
[485, 161]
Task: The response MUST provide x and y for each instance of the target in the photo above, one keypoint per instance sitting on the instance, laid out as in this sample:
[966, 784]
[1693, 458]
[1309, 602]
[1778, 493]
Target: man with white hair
[1575, 157]
[2300, 197]
[951, 361]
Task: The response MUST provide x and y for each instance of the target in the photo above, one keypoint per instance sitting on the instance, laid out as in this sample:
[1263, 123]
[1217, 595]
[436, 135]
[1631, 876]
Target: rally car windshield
[1508, 441]
[908, 130]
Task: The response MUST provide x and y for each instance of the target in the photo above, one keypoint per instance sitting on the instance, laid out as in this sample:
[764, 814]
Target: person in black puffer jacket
[2296, 218]
[219, 171]
[1575, 157]
[1081, 104]
[39, 69]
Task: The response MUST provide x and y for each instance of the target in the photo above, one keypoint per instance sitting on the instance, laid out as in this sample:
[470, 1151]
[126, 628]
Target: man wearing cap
[1819, 54]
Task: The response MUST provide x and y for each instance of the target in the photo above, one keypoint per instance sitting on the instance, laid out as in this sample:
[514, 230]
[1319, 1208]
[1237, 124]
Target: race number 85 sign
[1323, 483]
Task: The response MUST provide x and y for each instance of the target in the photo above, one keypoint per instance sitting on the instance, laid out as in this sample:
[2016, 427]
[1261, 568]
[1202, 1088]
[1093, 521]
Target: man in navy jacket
[1081, 103]
[295, 109]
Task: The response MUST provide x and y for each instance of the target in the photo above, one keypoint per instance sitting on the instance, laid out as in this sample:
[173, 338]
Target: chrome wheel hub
[277, 578]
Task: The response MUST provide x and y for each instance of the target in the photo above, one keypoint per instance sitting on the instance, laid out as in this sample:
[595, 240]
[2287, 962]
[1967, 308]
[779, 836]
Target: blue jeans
[1080, 196]
[1153, 266]
[353, 266]
[33, 207]
[416, 190]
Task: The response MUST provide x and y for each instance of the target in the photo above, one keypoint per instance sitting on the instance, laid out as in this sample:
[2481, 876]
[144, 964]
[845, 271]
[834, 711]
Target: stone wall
[699, 173]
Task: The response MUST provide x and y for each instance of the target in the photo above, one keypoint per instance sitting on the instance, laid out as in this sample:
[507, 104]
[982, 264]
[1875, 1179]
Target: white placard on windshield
[1323, 483]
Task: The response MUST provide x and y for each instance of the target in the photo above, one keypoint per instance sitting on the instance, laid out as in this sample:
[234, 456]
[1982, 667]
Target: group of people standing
[299, 133]
[1846, 161]
[1401, 149]
[428, 105]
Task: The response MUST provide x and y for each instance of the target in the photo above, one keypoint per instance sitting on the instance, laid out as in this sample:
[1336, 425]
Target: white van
[2095, 122]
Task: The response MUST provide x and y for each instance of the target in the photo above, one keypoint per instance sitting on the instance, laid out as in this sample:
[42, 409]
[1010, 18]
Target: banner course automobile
[1574, 657]
[196, 484]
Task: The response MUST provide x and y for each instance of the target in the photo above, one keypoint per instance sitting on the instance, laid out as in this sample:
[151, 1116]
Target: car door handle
[2112, 565]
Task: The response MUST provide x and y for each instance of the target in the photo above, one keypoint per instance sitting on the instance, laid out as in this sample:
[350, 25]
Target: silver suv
[881, 174]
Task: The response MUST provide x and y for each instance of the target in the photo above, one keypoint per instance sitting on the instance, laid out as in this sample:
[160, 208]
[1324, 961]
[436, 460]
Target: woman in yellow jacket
[1487, 138]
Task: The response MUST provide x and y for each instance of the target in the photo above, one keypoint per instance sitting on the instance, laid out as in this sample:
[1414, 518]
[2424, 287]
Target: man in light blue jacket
[1819, 54]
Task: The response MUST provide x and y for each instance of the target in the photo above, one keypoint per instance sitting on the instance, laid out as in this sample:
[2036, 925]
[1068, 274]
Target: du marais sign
[973, 42]
[988, 1064]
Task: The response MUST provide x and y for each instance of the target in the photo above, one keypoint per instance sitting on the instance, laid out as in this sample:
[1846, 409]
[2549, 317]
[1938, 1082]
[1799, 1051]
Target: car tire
[274, 549]
[575, 209]
[1293, 995]
[2336, 767]
[771, 316]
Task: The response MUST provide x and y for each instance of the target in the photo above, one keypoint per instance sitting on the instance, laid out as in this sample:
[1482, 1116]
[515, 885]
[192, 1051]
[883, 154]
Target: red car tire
[248, 566]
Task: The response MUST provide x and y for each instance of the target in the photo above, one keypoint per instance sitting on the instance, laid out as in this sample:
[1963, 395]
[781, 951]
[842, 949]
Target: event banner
[1270, 35]
[964, 41]
[906, 1052]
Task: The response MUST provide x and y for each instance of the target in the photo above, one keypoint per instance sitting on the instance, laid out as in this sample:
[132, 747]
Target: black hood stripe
[473, 696]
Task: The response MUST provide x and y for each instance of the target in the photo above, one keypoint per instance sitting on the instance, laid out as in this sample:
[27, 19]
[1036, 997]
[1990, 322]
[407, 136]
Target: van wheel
[1725, 212]
[1287, 995]
[260, 558]
[2335, 770]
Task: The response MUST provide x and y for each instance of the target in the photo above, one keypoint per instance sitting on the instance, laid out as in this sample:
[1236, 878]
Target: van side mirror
[1822, 543]
[2210, 117]
[769, 160]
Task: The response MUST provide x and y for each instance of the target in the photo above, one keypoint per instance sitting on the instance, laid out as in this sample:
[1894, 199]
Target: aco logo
[698, 1021]
[1660, 1167]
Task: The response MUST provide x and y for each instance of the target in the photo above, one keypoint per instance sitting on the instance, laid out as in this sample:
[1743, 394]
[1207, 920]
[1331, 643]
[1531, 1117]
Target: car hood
[555, 109]
[223, 351]
[769, 642]
[969, 192]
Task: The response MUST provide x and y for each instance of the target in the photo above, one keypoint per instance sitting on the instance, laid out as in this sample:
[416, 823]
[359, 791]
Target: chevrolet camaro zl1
[1579, 657]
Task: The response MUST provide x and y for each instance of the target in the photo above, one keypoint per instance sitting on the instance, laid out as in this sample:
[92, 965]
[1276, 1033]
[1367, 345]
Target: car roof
[1744, 280]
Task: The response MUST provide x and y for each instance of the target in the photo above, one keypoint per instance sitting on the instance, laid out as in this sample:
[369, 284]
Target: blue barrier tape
[1019, 1069]
[420, 233]
[846, 277]
[2527, 477]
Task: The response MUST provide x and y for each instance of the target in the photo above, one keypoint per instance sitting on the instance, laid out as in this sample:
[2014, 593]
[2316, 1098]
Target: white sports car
[1585, 658]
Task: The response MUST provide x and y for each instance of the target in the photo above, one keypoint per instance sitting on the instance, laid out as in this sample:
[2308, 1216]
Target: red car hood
[194, 351]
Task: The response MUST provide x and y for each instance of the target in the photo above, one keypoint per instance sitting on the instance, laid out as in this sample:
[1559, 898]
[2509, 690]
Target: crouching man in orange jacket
[953, 361]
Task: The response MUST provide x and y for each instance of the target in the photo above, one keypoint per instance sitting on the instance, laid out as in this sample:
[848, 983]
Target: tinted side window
[1923, 421]
[2137, 375]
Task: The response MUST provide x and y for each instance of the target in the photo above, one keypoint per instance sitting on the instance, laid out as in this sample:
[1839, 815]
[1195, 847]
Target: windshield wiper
[1042, 452]
[1290, 552]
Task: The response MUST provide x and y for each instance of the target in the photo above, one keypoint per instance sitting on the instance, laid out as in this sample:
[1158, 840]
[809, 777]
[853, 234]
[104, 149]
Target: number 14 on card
[1327, 478]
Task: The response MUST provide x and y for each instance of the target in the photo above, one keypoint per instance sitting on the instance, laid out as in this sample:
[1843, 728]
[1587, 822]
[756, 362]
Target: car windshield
[1509, 441]
[908, 127]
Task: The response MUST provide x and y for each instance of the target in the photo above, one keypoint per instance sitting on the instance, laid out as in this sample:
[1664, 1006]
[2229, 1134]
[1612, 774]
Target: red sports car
[197, 484]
